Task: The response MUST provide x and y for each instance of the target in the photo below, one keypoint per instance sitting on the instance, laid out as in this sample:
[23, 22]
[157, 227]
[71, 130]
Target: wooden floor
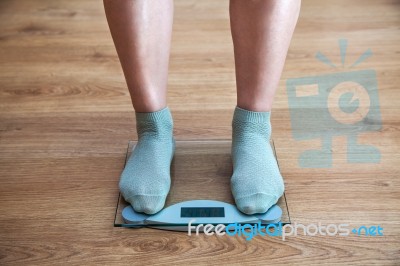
[66, 118]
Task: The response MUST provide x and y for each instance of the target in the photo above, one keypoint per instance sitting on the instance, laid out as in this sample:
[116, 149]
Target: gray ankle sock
[145, 181]
[256, 182]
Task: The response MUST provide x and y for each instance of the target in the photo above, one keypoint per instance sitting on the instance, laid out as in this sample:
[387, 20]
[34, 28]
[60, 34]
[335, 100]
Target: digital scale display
[196, 212]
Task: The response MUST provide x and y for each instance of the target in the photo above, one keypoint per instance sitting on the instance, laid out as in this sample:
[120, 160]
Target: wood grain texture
[66, 117]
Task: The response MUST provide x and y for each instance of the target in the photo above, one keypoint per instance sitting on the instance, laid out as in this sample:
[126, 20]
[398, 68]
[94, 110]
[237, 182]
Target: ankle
[245, 121]
[159, 123]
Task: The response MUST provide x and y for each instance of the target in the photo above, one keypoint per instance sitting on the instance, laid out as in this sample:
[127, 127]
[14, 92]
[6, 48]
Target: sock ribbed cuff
[158, 123]
[242, 115]
[163, 114]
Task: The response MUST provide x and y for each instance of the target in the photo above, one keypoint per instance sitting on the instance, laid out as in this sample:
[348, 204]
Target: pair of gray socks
[256, 183]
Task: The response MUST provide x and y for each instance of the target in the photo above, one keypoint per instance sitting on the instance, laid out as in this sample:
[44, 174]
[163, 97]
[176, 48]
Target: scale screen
[188, 212]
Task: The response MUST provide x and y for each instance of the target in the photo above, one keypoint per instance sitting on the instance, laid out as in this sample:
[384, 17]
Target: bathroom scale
[200, 192]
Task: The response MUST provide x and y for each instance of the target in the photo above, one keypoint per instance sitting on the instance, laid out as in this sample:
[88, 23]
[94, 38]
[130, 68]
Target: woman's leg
[141, 30]
[261, 32]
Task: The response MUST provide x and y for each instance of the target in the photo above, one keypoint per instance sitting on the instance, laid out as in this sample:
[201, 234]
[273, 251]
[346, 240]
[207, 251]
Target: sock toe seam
[149, 195]
[276, 197]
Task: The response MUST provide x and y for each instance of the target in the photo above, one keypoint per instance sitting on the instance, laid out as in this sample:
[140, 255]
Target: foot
[256, 182]
[145, 181]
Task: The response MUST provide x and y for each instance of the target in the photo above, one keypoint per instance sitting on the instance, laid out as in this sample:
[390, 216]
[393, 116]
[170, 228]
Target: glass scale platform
[200, 170]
